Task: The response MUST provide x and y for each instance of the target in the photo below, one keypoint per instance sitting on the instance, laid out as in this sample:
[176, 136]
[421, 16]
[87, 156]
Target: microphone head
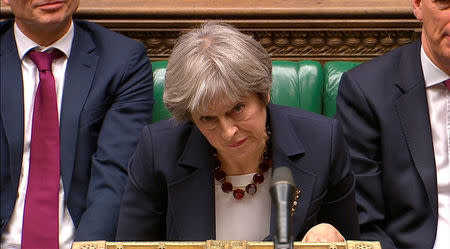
[282, 175]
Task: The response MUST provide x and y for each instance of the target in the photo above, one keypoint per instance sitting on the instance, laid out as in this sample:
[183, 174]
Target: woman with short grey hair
[206, 173]
[211, 62]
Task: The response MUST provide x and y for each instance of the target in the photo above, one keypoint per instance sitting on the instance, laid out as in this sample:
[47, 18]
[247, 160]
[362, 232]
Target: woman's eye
[207, 119]
[208, 122]
[239, 107]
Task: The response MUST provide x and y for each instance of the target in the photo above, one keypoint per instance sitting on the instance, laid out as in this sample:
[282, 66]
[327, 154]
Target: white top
[12, 236]
[246, 219]
[438, 98]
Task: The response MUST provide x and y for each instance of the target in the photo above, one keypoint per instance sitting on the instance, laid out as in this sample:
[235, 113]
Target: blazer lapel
[288, 151]
[191, 196]
[412, 109]
[80, 72]
[11, 105]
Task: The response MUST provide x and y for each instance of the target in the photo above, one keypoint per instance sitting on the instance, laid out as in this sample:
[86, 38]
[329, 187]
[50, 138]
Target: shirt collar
[431, 73]
[24, 44]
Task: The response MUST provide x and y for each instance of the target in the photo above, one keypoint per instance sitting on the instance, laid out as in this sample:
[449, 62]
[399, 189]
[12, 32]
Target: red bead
[266, 154]
[265, 165]
[258, 178]
[219, 175]
[238, 194]
[251, 189]
[227, 187]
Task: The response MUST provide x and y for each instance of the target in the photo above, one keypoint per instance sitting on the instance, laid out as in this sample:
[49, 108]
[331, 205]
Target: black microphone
[283, 193]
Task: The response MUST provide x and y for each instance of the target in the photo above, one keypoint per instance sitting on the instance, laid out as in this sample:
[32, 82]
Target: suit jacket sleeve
[362, 134]
[130, 110]
[142, 212]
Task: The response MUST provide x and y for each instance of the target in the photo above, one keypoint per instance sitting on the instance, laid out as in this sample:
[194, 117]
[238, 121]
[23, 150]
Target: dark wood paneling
[289, 29]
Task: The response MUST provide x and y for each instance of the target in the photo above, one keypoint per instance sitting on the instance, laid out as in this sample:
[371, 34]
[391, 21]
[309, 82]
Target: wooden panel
[289, 29]
[245, 7]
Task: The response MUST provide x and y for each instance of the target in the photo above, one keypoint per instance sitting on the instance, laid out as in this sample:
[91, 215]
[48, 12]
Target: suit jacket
[107, 100]
[383, 109]
[170, 191]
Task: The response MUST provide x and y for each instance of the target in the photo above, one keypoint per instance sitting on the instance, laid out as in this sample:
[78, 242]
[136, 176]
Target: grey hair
[213, 62]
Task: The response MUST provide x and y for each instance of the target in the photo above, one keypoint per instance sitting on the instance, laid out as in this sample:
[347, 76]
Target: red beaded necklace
[258, 177]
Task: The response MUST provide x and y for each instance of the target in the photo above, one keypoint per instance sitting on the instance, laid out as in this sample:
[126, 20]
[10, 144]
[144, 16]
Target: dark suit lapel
[191, 196]
[288, 151]
[412, 109]
[80, 72]
[11, 105]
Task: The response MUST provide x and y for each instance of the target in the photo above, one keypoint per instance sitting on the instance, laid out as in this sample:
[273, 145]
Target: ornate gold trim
[218, 244]
[321, 44]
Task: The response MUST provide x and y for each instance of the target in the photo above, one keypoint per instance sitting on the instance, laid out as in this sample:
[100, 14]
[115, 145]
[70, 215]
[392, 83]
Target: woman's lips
[238, 143]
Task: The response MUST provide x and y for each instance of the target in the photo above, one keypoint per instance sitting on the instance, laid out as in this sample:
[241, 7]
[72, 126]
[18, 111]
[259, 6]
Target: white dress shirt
[12, 235]
[438, 98]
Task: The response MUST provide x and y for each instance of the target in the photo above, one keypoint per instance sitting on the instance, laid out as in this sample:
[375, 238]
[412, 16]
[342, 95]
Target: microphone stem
[284, 194]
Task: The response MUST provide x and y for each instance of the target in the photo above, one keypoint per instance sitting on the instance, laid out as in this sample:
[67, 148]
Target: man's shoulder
[378, 76]
[105, 37]
[7, 37]
[5, 26]
[387, 64]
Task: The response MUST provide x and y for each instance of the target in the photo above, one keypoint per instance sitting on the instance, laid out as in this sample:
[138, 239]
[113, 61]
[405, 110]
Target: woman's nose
[228, 128]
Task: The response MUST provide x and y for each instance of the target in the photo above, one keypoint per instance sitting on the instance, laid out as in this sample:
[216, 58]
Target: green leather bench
[303, 84]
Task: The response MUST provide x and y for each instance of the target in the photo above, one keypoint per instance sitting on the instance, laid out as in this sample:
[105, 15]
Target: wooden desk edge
[217, 244]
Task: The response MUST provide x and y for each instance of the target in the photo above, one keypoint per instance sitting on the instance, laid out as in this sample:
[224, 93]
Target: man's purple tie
[447, 84]
[40, 220]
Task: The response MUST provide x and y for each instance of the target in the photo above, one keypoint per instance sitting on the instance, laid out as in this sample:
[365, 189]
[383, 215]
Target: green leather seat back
[333, 72]
[160, 111]
[297, 84]
[304, 84]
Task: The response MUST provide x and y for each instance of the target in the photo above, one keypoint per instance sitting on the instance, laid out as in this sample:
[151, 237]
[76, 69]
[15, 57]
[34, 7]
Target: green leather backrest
[297, 84]
[304, 84]
[333, 72]
[160, 111]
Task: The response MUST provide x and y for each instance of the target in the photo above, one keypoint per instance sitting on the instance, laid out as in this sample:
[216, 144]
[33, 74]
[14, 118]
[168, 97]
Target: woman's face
[236, 130]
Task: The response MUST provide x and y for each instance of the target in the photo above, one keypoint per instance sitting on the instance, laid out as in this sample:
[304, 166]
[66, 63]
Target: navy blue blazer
[107, 100]
[383, 109]
[170, 191]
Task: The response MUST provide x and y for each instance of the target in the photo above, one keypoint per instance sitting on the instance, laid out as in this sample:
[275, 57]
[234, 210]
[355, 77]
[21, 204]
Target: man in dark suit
[102, 97]
[395, 115]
